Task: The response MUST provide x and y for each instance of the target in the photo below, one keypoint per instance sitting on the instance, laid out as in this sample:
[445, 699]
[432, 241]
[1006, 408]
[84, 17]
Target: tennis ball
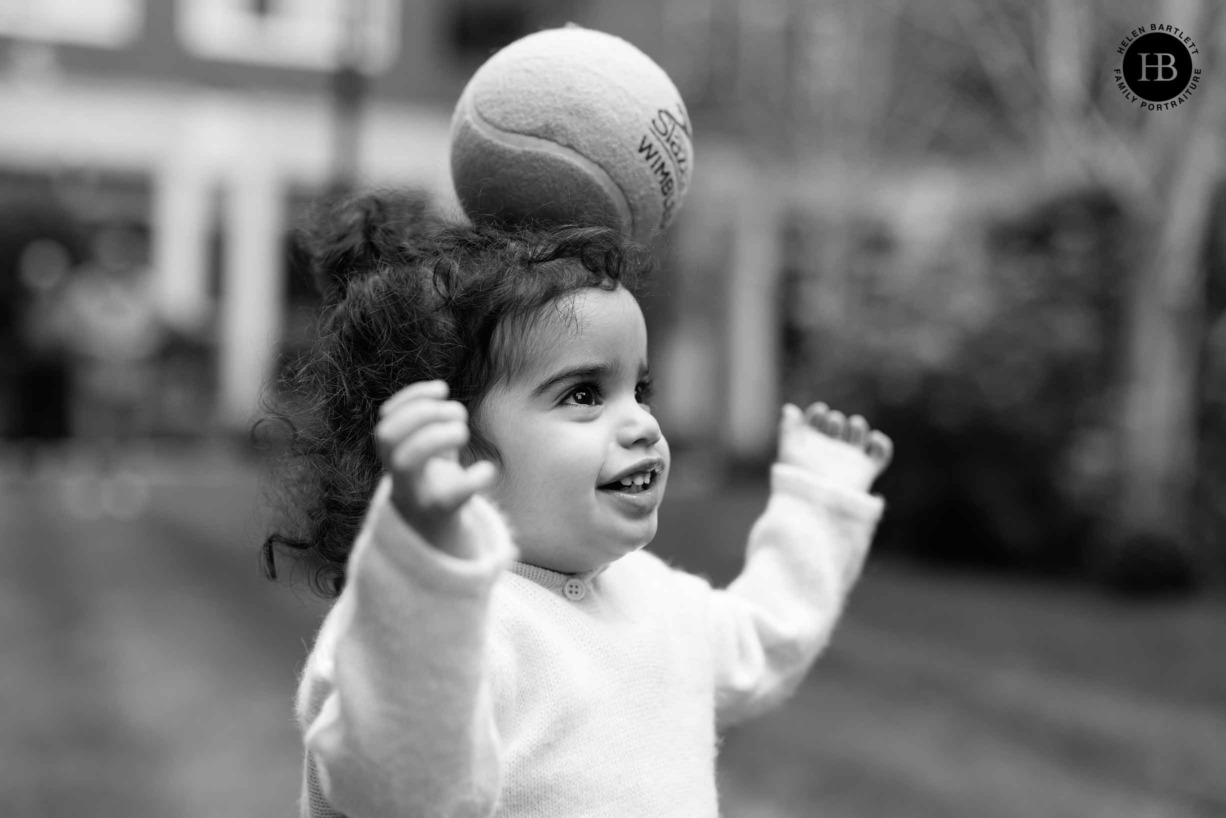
[572, 125]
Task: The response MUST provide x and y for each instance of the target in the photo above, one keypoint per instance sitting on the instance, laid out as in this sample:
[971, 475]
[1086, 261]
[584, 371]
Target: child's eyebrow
[593, 372]
[582, 372]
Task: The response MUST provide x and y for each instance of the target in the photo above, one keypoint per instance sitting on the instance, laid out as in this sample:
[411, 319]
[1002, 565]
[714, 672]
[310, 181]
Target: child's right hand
[419, 436]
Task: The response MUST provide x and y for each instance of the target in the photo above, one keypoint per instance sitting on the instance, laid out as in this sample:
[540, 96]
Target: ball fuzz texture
[572, 125]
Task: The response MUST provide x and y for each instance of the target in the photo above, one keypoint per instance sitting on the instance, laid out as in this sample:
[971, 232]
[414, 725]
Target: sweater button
[574, 589]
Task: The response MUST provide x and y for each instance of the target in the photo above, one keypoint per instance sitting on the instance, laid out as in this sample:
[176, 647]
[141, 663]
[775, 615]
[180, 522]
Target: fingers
[815, 414]
[829, 421]
[419, 437]
[414, 414]
[410, 416]
[419, 424]
[832, 446]
[857, 431]
[481, 475]
[476, 478]
[880, 448]
[791, 416]
[438, 390]
[854, 430]
[432, 440]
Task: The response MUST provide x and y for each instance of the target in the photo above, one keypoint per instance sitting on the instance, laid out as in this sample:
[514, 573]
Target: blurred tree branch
[1166, 322]
[1167, 168]
[1051, 102]
[915, 78]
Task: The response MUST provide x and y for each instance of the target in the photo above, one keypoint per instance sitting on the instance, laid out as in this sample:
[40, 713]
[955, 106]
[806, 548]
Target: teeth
[640, 479]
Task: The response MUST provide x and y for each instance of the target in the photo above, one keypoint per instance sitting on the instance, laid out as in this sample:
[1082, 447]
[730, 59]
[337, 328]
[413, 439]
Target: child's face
[570, 424]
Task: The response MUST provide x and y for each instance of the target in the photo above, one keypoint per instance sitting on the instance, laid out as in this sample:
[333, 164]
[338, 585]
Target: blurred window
[103, 23]
[478, 28]
[311, 34]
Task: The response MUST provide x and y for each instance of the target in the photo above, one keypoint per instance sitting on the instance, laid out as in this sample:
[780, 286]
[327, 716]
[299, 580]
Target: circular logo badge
[1157, 67]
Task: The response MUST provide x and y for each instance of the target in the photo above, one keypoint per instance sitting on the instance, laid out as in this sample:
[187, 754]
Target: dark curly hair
[408, 297]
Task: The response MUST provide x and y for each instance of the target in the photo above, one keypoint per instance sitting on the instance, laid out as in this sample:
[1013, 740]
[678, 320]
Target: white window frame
[306, 34]
[99, 23]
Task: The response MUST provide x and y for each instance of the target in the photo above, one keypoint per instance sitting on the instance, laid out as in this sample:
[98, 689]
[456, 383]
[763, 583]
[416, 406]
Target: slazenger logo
[665, 147]
[1157, 71]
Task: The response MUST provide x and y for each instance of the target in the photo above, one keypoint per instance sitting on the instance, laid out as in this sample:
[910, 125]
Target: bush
[990, 361]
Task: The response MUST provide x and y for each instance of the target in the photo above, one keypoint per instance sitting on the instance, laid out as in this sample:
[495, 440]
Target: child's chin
[637, 542]
[626, 551]
[640, 542]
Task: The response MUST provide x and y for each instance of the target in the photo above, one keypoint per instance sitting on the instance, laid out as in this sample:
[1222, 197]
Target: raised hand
[419, 437]
[832, 446]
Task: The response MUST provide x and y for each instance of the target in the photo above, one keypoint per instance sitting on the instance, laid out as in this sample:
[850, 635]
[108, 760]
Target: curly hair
[408, 297]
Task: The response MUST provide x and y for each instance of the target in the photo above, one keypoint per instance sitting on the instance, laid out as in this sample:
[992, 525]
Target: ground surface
[148, 670]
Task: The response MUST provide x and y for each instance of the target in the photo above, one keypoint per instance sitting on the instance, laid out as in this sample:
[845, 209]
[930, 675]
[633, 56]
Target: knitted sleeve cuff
[795, 481]
[401, 547]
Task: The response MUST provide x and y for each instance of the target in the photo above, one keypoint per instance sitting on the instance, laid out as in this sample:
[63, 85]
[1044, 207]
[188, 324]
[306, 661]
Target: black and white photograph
[613, 408]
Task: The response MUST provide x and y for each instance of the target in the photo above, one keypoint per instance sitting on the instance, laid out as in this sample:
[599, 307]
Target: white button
[574, 589]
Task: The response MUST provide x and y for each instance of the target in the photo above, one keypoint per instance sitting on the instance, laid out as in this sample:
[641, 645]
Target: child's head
[569, 423]
[409, 299]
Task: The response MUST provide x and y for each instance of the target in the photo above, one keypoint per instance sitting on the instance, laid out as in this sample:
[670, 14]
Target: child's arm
[395, 699]
[804, 554]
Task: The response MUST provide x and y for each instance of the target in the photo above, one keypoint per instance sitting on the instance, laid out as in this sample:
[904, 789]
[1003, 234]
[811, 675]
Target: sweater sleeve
[395, 700]
[804, 554]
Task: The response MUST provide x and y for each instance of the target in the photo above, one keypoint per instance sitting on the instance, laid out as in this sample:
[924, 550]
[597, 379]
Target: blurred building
[209, 123]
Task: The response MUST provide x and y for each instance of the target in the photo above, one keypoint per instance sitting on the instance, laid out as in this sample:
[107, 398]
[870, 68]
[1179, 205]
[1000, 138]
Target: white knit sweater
[447, 687]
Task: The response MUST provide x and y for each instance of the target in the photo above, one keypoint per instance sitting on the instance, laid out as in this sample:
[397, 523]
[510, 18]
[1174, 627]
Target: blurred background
[942, 214]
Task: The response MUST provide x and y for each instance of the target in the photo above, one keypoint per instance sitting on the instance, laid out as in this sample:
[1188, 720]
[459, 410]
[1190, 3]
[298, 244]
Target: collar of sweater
[553, 580]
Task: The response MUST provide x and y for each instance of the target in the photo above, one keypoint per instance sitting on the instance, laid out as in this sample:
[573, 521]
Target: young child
[501, 643]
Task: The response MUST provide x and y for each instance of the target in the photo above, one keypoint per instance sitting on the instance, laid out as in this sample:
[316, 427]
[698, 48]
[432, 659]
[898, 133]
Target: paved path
[148, 670]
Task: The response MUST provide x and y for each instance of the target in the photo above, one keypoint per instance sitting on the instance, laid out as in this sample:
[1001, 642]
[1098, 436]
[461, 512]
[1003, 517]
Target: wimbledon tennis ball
[572, 125]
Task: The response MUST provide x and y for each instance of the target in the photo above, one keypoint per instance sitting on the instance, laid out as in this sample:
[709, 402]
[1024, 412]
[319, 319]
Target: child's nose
[640, 428]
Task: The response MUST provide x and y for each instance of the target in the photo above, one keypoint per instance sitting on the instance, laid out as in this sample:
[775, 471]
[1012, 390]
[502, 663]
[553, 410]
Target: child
[501, 644]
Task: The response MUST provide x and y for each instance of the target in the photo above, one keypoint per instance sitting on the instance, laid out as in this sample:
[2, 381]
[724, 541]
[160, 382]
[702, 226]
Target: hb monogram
[1160, 64]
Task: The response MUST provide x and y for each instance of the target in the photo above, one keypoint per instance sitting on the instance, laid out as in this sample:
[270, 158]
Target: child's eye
[584, 395]
[644, 391]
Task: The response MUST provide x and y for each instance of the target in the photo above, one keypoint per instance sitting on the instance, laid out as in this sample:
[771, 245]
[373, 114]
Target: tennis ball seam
[522, 140]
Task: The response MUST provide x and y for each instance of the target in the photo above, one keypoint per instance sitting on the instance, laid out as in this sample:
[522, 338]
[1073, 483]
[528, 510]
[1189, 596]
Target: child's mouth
[634, 484]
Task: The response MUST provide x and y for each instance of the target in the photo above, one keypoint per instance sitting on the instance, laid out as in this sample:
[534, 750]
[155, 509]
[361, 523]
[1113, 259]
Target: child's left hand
[833, 447]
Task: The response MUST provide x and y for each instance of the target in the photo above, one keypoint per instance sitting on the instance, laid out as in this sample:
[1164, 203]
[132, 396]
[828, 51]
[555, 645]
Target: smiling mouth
[634, 484]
